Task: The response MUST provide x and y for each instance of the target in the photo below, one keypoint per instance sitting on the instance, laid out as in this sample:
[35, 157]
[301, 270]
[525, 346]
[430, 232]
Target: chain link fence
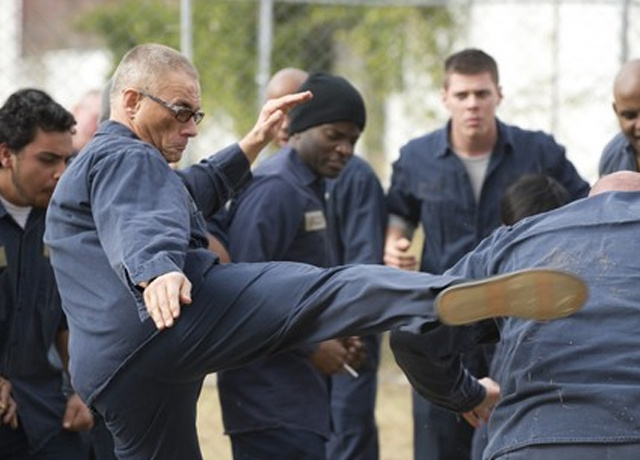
[557, 58]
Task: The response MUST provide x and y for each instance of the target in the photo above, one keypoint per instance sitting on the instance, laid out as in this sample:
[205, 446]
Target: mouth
[335, 167]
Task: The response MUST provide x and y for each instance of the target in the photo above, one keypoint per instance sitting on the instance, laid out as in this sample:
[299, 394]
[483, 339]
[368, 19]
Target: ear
[131, 102]
[443, 95]
[500, 95]
[615, 109]
[6, 160]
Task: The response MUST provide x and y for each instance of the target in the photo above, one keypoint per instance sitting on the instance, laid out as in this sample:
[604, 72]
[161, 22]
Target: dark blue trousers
[67, 445]
[241, 312]
[440, 434]
[353, 402]
[278, 444]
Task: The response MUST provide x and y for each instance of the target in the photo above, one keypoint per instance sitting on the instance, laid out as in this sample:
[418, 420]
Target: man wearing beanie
[278, 407]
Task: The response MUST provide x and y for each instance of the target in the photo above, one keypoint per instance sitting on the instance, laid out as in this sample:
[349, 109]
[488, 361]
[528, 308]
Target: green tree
[374, 46]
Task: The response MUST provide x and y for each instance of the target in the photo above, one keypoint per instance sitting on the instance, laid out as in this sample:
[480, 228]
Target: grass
[393, 414]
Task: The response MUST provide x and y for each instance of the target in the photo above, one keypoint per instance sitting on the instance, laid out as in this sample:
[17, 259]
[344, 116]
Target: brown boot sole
[539, 294]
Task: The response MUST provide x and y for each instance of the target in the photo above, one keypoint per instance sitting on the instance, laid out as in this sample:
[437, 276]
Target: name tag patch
[314, 221]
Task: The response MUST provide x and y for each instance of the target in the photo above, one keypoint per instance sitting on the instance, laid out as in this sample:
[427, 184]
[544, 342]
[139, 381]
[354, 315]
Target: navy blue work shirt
[96, 206]
[30, 317]
[356, 215]
[573, 380]
[617, 155]
[279, 217]
[430, 185]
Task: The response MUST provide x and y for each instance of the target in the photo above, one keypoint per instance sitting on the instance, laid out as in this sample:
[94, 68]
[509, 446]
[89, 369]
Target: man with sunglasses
[152, 312]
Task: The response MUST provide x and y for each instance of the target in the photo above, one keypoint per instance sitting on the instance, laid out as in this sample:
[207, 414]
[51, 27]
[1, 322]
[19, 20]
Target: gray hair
[144, 67]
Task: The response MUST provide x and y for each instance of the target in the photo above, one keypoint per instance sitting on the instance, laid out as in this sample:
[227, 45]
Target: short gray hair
[144, 67]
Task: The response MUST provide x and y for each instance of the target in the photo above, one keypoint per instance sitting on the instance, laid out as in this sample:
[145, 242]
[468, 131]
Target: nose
[60, 168]
[472, 101]
[345, 148]
[189, 129]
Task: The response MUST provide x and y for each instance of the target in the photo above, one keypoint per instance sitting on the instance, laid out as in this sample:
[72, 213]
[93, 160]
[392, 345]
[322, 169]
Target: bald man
[568, 389]
[284, 81]
[87, 113]
[623, 151]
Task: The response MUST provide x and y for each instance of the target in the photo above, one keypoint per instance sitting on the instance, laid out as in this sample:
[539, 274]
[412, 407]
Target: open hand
[164, 296]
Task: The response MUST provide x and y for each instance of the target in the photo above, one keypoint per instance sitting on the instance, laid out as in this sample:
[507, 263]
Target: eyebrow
[186, 104]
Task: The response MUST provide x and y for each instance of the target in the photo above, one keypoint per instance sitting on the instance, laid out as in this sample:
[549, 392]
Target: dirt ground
[393, 414]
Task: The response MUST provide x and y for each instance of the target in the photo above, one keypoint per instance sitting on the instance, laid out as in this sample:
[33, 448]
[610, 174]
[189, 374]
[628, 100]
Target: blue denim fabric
[97, 207]
[572, 380]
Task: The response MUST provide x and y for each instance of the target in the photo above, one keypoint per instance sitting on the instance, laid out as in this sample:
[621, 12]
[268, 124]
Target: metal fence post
[265, 43]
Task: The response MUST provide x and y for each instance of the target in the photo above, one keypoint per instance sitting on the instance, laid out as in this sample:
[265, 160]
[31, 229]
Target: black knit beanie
[334, 99]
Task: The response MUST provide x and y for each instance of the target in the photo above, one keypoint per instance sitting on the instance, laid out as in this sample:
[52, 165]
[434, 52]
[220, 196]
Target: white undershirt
[476, 167]
[19, 213]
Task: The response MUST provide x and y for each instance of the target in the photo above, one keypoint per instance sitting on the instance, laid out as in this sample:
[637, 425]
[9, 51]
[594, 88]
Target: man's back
[572, 380]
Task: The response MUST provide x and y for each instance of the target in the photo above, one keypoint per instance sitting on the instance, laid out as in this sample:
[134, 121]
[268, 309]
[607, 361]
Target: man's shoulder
[277, 169]
[529, 143]
[113, 143]
[617, 155]
[616, 146]
[516, 133]
[357, 167]
[429, 144]
[357, 178]
[271, 178]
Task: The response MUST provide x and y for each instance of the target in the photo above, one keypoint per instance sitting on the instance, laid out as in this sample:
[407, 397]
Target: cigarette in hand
[351, 371]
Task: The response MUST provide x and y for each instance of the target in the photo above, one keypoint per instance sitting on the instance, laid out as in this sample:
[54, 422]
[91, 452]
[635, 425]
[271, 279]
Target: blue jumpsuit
[119, 216]
[617, 155]
[430, 186]
[569, 387]
[30, 317]
[280, 216]
[357, 220]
